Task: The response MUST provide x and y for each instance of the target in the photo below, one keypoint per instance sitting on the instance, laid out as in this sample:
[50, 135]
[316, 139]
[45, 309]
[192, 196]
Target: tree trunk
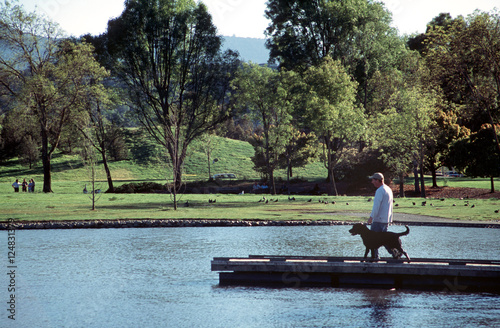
[492, 184]
[415, 177]
[111, 188]
[93, 184]
[271, 178]
[434, 179]
[289, 175]
[47, 179]
[334, 184]
[422, 182]
[208, 160]
[401, 185]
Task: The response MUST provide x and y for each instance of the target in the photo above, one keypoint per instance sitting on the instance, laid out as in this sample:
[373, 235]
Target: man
[381, 215]
[15, 185]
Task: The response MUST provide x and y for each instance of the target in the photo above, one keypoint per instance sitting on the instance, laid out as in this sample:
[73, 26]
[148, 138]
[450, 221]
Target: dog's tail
[404, 233]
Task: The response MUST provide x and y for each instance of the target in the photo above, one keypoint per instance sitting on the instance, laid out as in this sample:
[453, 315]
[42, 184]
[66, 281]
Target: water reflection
[380, 305]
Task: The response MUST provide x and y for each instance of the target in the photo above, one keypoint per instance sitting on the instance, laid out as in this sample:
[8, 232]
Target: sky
[243, 18]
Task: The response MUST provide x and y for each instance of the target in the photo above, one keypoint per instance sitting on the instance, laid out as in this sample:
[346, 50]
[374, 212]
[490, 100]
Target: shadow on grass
[170, 205]
[17, 170]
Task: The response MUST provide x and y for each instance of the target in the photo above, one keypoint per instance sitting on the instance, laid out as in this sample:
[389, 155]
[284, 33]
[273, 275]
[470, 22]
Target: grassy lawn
[67, 202]
[77, 206]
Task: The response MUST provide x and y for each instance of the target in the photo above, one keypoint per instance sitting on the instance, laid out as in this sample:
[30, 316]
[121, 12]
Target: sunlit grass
[73, 206]
[67, 202]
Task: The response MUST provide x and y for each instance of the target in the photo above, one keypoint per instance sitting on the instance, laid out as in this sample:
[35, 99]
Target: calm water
[162, 278]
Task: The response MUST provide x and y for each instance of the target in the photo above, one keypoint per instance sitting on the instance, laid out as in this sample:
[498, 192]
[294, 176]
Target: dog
[373, 240]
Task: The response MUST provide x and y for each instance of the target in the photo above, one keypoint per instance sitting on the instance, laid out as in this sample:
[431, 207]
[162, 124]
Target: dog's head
[358, 229]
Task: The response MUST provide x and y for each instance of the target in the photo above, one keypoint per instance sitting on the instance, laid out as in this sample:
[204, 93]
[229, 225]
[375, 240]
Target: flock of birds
[324, 201]
[272, 200]
[265, 200]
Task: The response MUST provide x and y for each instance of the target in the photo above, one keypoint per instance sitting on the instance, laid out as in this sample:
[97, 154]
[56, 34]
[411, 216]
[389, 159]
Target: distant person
[31, 185]
[381, 215]
[15, 185]
[24, 186]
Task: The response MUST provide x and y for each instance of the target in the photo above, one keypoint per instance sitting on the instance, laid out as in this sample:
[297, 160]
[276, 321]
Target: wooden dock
[454, 275]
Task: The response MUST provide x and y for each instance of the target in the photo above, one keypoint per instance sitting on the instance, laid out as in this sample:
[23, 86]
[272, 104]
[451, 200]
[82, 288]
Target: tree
[90, 162]
[20, 136]
[98, 131]
[270, 96]
[45, 74]
[355, 32]
[445, 132]
[464, 56]
[402, 130]
[331, 111]
[209, 142]
[476, 155]
[300, 150]
[168, 54]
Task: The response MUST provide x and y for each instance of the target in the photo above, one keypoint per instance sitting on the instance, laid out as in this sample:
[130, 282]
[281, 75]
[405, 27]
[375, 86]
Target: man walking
[381, 215]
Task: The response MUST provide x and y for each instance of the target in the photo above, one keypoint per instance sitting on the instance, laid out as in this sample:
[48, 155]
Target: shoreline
[14, 224]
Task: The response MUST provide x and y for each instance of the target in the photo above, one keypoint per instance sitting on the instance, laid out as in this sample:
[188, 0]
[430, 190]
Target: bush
[140, 188]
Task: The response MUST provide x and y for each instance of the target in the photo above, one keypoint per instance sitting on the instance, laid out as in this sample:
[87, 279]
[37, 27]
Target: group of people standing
[25, 186]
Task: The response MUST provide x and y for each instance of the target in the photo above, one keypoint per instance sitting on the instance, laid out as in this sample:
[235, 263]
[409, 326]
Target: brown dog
[373, 240]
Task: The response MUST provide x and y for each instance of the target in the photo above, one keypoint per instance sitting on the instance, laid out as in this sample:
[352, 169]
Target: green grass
[67, 202]
[464, 182]
[72, 206]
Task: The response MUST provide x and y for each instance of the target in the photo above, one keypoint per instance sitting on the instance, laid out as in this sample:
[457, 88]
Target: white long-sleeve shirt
[382, 205]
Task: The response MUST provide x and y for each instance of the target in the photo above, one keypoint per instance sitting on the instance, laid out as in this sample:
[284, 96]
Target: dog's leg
[374, 254]
[396, 254]
[406, 254]
[366, 254]
[401, 252]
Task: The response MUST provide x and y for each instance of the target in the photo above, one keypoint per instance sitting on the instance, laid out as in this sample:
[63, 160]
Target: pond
[160, 277]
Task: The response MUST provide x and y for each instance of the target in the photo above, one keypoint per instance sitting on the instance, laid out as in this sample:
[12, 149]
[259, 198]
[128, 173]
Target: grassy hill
[233, 156]
[69, 175]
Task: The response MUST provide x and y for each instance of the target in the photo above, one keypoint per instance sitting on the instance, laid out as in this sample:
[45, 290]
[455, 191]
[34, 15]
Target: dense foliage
[345, 88]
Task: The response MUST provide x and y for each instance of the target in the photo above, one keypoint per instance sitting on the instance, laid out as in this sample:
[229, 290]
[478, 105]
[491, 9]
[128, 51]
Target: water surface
[161, 277]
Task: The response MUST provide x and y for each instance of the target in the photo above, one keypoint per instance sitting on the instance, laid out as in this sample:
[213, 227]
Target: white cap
[378, 176]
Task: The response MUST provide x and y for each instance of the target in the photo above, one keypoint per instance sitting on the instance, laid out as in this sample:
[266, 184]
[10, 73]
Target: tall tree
[48, 75]
[169, 55]
[464, 56]
[331, 111]
[270, 96]
[355, 32]
[403, 129]
[98, 131]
